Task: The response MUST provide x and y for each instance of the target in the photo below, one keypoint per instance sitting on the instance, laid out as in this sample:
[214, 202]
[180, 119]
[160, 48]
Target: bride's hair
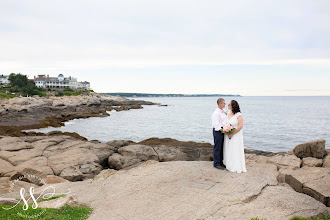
[235, 106]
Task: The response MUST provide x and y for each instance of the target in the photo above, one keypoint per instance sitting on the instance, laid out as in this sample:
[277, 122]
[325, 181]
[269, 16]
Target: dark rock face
[174, 143]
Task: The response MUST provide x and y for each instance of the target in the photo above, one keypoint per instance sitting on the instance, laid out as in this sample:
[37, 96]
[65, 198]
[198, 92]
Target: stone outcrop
[58, 202]
[62, 156]
[285, 160]
[312, 162]
[310, 175]
[193, 190]
[313, 181]
[314, 149]
[128, 155]
[104, 174]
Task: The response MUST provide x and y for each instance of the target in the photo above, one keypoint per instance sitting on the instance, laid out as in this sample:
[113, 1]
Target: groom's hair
[220, 100]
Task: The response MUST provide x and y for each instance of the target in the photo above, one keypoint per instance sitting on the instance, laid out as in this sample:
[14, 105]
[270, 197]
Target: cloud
[81, 37]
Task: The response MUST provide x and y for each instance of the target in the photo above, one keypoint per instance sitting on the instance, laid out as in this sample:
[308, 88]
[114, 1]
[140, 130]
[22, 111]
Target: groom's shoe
[219, 167]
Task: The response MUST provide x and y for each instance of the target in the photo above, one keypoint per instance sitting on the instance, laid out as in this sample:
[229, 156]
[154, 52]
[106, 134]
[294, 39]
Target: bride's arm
[239, 127]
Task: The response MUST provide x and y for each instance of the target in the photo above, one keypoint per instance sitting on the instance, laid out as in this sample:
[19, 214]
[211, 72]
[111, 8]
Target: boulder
[38, 163]
[314, 148]
[166, 153]
[116, 161]
[58, 202]
[104, 174]
[50, 155]
[51, 179]
[14, 186]
[72, 174]
[71, 158]
[285, 160]
[90, 170]
[138, 151]
[119, 143]
[34, 176]
[312, 162]
[256, 158]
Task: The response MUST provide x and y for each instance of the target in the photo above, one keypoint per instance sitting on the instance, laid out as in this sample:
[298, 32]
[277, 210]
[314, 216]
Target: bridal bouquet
[228, 128]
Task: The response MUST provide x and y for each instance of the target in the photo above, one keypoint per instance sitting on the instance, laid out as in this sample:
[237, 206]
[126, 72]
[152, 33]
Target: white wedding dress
[233, 149]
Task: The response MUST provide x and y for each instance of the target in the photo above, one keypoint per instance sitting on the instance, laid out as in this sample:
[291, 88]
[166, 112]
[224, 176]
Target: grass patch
[4, 95]
[51, 198]
[326, 217]
[66, 212]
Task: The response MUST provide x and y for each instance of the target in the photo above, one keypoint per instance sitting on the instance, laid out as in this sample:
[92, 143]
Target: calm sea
[270, 123]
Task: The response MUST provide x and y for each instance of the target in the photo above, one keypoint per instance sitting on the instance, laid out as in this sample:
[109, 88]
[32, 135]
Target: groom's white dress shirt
[219, 119]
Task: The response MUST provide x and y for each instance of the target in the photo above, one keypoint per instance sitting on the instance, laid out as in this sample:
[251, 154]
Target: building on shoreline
[83, 85]
[60, 82]
[4, 79]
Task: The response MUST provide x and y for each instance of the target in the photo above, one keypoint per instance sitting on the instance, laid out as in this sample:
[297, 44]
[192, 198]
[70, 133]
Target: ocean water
[270, 123]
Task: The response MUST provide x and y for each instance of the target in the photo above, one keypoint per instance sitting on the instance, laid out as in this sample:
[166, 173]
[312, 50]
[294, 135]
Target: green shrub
[59, 93]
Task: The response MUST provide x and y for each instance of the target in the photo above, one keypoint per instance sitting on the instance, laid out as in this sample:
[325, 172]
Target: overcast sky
[255, 47]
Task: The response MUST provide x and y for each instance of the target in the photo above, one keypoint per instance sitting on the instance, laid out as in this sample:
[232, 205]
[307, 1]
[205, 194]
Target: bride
[233, 151]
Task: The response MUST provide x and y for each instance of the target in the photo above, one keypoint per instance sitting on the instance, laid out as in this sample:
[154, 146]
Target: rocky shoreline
[296, 182]
[24, 113]
[158, 174]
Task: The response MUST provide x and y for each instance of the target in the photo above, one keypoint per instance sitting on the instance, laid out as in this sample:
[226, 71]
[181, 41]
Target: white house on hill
[60, 82]
[4, 79]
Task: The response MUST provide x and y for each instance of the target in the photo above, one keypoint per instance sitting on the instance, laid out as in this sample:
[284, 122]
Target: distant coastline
[122, 94]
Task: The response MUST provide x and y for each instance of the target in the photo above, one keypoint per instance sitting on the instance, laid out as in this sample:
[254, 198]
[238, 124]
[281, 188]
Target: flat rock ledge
[192, 190]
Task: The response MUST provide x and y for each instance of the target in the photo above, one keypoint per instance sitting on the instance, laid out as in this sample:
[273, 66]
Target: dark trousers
[218, 148]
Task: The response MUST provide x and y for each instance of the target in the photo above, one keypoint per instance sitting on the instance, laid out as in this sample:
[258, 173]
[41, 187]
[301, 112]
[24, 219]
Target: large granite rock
[51, 179]
[104, 174]
[131, 155]
[63, 156]
[312, 162]
[193, 190]
[313, 181]
[58, 202]
[14, 186]
[142, 152]
[314, 148]
[119, 143]
[285, 160]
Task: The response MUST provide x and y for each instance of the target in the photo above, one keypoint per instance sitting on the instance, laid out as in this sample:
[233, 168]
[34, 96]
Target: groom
[219, 119]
